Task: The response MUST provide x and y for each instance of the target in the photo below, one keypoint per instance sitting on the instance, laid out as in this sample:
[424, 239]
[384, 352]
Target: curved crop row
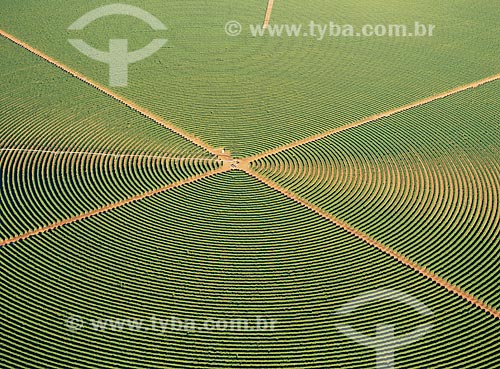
[425, 183]
[42, 188]
[44, 108]
[221, 248]
[253, 93]
[66, 148]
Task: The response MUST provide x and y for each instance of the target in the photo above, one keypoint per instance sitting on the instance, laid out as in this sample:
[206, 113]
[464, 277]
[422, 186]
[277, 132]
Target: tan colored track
[400, 258]
[269, 10]
[195, 140]
[112, 206]
[244, 164]
[376, 117]
[219, 152]
[103, 154]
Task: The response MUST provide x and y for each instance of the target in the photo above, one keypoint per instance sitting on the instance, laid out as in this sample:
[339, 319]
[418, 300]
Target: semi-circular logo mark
[384, 343]
[118, 57]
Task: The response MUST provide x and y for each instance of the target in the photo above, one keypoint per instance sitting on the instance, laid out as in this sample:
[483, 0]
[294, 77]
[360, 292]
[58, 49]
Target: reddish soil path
[195, 140]
[375, 117]
[400, 258]
[113, 206]
[268, 13]
[103, 154]
[245, 164]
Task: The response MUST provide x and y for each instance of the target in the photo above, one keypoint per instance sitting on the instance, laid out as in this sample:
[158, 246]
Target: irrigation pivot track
[374, 118]
[105, 154]
[244, 164]
[130, 104]
[269, 10]
[113, 206]
[400, 258]
[219, 152]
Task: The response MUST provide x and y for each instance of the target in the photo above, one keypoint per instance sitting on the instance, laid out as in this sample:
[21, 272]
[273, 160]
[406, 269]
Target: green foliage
[223, 247]
[252, 94]
[424, 182]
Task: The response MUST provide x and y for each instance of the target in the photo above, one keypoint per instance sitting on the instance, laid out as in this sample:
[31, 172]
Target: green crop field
[295, 199]
[263, 255]
[253, 93]
[430, 175]
[45, 112]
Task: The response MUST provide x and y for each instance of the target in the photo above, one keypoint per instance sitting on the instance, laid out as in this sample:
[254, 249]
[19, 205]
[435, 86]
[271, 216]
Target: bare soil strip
[400, 258]
[374, 118]
[111, 206]
[195, 140]
[403, 260]
[269, 10]
[117, 156]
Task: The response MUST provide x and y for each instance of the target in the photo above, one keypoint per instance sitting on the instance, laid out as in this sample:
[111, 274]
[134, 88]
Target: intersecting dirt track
[243, 164]
[111, 207]
[376, 117]
[405, 261]
[130, 104]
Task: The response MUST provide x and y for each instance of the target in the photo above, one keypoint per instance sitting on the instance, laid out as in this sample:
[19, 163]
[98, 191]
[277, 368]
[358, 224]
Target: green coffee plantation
[432, 177]
[251, 94]
[250, 202]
